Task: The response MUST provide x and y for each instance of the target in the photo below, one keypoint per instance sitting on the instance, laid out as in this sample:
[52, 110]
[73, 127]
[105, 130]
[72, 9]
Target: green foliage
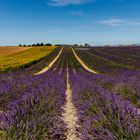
[127, 92]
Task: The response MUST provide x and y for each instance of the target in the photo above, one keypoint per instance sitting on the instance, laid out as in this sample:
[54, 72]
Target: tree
[76, 45]
[33, 44]
[41, 44]
[37, 44]
[20, 45]
[86, 45]
[48, 44]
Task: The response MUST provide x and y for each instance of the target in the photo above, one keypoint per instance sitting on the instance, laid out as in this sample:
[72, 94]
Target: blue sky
[69, 21]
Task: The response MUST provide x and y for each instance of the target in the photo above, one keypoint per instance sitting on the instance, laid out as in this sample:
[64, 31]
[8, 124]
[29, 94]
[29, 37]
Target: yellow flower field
[24, 58]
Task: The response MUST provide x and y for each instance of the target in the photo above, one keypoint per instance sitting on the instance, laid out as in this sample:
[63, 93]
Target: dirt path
[82, 63]
[138, 110]
[50, 64]
[70, 116]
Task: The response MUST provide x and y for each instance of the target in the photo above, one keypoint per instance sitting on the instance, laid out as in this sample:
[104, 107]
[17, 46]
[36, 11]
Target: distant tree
[48, 44]
[76, 45]
[20, 45]
[37, 44]
[86, 45]
[24, 45]
[41, 44]
[33, 44]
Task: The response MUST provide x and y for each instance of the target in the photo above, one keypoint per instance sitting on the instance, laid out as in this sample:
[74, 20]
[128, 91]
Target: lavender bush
[102, 114]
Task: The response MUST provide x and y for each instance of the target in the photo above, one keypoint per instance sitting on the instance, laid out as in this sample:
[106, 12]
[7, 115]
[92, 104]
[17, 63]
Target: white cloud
[134, 23]
[119, 22]
[112, 22]
[62, 3]
[77, 13]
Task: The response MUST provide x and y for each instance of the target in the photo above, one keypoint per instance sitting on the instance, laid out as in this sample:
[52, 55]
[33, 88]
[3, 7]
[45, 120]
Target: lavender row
[125, 52]
[99, 64]
[132, 63]
[103, 115]
[110, 60]
[126, 84]
[31, 107]
[129, 60]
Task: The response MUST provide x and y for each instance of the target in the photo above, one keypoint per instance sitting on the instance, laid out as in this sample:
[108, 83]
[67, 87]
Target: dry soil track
[82, 63]
[50, 64]
[70, 115]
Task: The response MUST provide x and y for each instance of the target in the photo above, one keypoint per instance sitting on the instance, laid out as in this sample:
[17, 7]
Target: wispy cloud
[135, 23]
[119, 22]
[62, 3]
[112, 22]
[77, 13]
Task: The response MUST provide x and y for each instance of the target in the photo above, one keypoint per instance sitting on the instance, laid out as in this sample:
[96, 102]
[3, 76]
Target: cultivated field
[4, 51]
[87, 94]
[24, 58]
[111, 59]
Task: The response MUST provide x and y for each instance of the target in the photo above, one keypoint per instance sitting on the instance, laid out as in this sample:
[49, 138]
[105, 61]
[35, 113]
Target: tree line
[49, 44]
[38, 44]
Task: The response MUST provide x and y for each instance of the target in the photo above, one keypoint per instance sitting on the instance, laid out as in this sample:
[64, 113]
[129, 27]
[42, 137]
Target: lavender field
[89, 93]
